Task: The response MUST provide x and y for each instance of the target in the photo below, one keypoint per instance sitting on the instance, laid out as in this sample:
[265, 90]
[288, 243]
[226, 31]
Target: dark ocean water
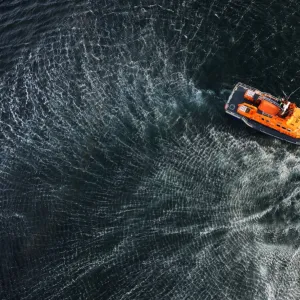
[120, 175]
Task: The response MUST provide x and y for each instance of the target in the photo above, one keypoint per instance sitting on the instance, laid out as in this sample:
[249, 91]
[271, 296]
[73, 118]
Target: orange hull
[272, 115]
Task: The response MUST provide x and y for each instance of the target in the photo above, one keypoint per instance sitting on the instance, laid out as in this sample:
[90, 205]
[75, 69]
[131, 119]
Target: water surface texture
[120, 175]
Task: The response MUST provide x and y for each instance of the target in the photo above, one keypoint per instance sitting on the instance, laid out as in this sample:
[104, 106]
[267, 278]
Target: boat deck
[237, 97]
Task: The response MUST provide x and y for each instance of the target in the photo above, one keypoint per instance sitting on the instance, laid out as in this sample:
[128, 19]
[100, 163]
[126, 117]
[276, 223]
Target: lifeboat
[274, 116]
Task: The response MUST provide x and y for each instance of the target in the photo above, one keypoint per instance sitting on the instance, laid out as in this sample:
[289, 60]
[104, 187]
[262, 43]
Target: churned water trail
[121, 177]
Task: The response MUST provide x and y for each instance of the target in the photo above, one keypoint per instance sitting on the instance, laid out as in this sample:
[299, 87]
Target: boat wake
[121, 176]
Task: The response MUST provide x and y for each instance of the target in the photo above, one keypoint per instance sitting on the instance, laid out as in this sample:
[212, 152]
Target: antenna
[292, 93]
[284, 93]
